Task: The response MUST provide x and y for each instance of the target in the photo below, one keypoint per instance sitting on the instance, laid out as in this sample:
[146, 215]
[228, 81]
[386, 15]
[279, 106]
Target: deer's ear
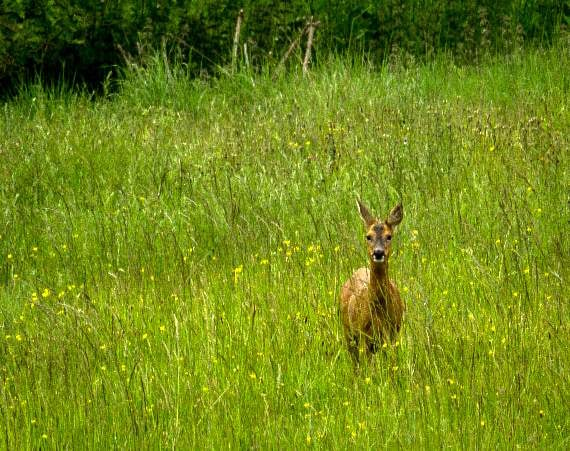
[365, 214]
[395, 216]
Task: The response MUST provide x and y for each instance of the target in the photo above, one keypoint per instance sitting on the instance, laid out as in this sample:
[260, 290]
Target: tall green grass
[171, 258]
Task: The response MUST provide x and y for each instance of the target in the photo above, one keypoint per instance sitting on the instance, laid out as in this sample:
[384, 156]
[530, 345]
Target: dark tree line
[83, 40]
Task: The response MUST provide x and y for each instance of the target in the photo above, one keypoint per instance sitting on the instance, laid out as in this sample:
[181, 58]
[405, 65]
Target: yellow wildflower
[237, 271]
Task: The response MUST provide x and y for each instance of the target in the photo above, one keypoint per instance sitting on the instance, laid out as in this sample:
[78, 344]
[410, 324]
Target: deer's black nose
[378, 255]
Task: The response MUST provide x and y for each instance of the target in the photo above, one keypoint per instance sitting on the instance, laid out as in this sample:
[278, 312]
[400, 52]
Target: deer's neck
[379, 284]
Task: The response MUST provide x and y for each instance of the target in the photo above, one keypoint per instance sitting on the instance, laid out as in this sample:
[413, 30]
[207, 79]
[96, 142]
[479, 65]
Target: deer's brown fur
[371, 308]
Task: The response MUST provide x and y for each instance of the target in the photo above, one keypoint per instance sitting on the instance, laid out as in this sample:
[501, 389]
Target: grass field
[171, 257]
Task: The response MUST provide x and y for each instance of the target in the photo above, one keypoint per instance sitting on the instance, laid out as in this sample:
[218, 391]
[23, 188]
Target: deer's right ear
[395, 216]
[365, 214]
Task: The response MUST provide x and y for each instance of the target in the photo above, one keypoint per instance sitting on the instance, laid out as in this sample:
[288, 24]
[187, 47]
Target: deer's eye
[388, 237]
[369, 237]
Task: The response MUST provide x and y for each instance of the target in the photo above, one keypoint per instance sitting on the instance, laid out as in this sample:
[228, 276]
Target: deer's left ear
[395, 216]
[365, 214]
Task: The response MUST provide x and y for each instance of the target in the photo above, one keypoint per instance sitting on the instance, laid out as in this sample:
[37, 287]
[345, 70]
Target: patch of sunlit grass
[170, 274]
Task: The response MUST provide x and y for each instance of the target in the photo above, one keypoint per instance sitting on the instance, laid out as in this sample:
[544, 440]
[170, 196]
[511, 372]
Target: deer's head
[379, 232]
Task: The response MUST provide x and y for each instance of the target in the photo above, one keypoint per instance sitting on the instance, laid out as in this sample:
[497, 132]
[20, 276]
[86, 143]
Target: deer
[371, 308]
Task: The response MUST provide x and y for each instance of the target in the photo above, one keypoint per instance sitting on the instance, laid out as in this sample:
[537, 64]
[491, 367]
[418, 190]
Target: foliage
[89, 39]
[171, 257]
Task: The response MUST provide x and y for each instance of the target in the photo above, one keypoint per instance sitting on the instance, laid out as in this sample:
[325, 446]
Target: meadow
[171, 255]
